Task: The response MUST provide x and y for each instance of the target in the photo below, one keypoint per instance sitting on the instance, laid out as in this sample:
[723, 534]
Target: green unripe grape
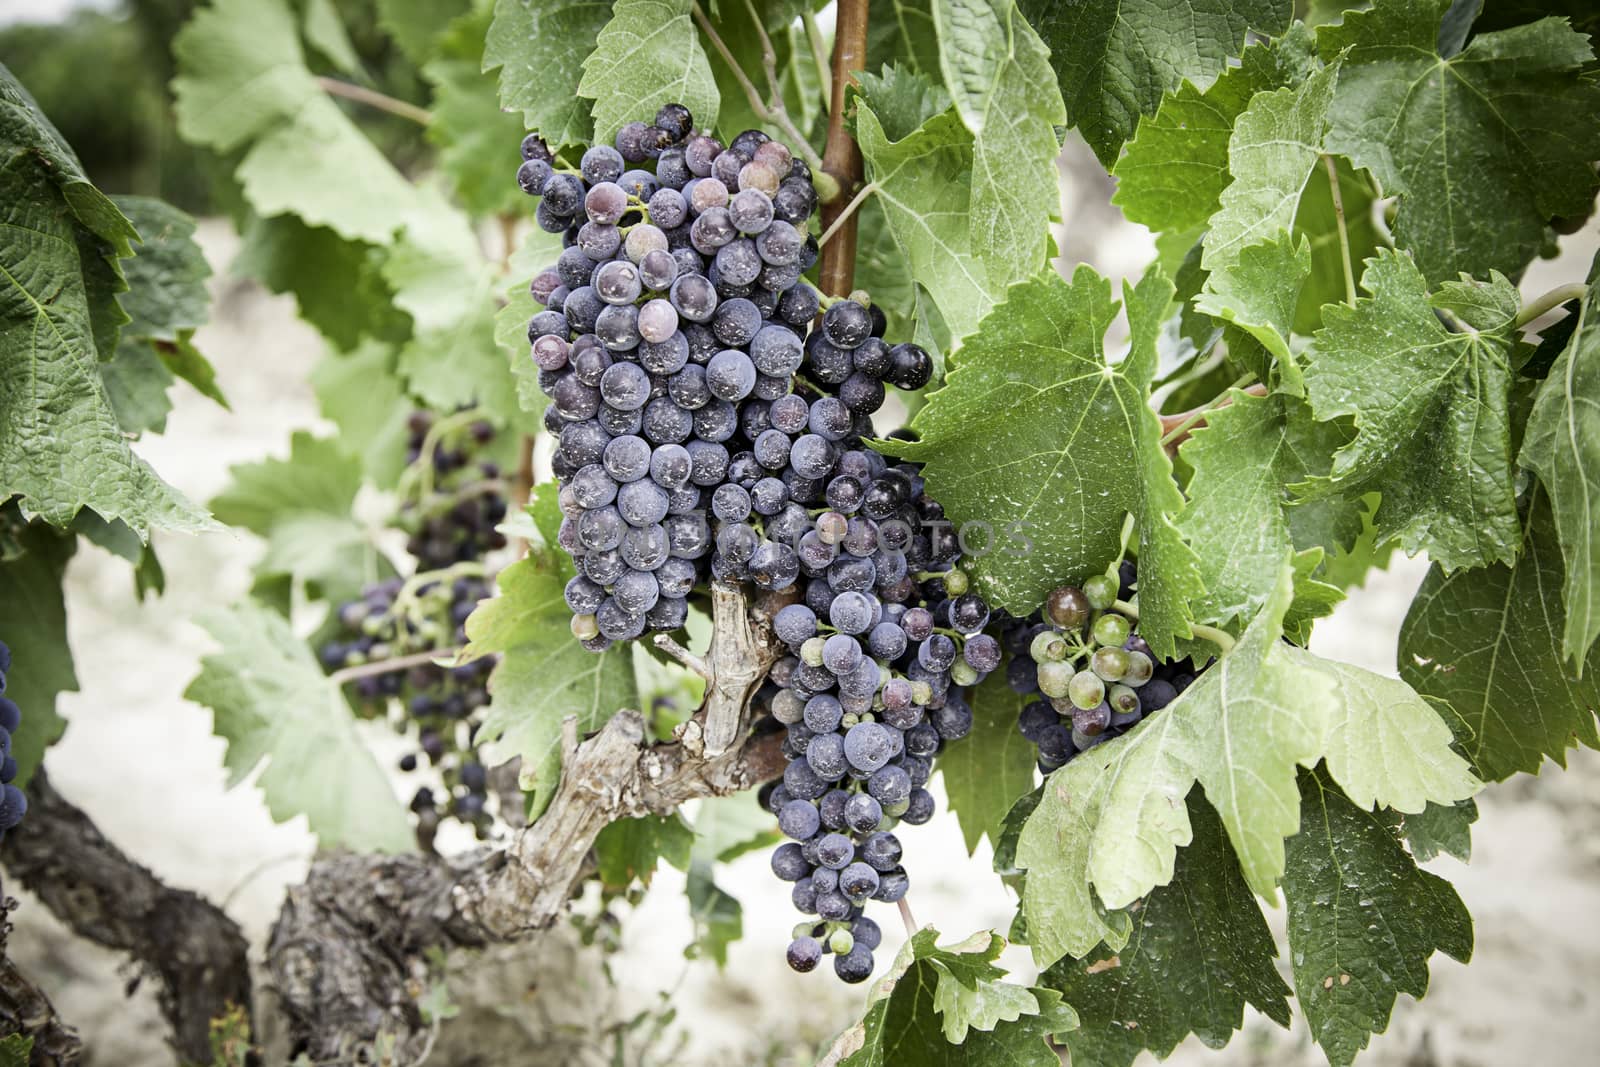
[802, 929]
[1111, 630]
[1067, 607]
[842, 941]
[1054, 678]
[955, 582]
[1123, 699]
[1109, 663]
[1140, 669]
[921, 692]
[1086, 690]
[962, 673]
[897, 809]
[866, 716]
[849, 719]
[1101, 591]
[372, 625]
[811, 651]
[585, 627]
[1047, 646]
[379, 652]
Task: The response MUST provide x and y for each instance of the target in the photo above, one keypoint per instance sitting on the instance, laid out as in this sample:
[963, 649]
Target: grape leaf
[627, 851]
[61, 448]
[1037, 436]
[992, 767]
[1238, 520]
[1482, 148]
[537, 251]
[417, 25]
[1562, 444]
[542, 677]
[901, 98]
[923, 185]
[272, 704]
[1200, 951]
[33, 624]
[1441, 828]
[1113, 817]
[1484, 646]
[1362, 919]
[326, 33]
[717, 915]
[477, 141]
[1175, 168]
[1316, 219]
[981, 1018]
[136, 384]
[1275, 145]
[724, 828]
[337, 284]
[539, 47]
[1430, 409]
[242, 79]
[16, 1050]
[649, 54]
[1116, 60]
[1257, 293]
[902, 30]
[998, 73]
[361, 393]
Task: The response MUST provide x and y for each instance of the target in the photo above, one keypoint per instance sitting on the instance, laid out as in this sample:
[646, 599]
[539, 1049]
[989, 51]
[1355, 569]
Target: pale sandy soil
[144, 763]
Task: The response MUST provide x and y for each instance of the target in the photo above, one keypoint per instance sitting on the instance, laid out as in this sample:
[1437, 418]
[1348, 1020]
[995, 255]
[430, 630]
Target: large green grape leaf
[1316, 218]
[136, 384]
[1482, 148]
[993, 766]
[362, 393]
[1430, 408]
[1257, 294]
[1199, 952]
[923, 184]
[942, 1007]
[1175, 168]
[337, 284]
[33, 624]
[1116, 60]
[1275, 148]
[61, 447]
[902, 30]
[1562, 443]
[649, 54]
[902, 98]
[1238, 519]
[1114, 816]
[417, 25]
[243, 80]
[1363, 920]
[998, 73]
[1036, 435]
[540, 46]
[477, 141]
[543, 676]
[272, 704]
[1484, 646]
[628, 850]
[325, 32]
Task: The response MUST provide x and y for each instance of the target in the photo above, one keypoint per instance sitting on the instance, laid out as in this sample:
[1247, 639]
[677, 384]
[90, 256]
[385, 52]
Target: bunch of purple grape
[675, 323]
[13, 802]
[456, 521]
[1096, 678]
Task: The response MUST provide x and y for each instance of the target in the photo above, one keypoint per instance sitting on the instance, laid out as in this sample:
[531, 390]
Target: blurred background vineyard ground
[144, 763]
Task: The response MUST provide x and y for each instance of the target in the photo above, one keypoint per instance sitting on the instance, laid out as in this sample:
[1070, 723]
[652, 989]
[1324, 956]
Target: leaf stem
[1344, 234]
[841, 158]
[766, 111]
[819, 55]
[1541, 305]
[387, 666]
[1221, 638]
[1177, 427]
[848, 212]
[372, 98]
[907, 918]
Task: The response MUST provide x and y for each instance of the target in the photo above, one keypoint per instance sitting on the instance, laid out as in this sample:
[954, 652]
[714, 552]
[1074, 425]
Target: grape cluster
[1095, 676]
[884, 640]
[13, 802]
[451, 519]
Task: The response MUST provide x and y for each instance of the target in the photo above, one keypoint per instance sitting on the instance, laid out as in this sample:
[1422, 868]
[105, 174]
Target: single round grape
[969, 613]
[625, 386]
[736, 321]
[1124, 700]
[666, 422]
[593, 487]
[676, 577]
[858, 881]
[1091, 722]
[642, 240]
[642, 502]
[799, 820]
[618, 282]
[1157, 694]
[1086, 689]
[759, 177]
[867, 745]
[731, 375]
[644, 548]
[788, 863]
[798, 305]
[825, 755]
[694, 297]
[604, 567]
[1101, 591]
[583, 595]
[804, 953]
[854, 966]
[599, 241]
[830, 419]
[712, 230]
[1047, 646]
[550, 352]
[846, 324]
[618, 327]
[688, 388]
[563, 194]
[851, 613]
[534, 147]
[658, 270]
[605, 203]
[616, 622]
[1068, 607]
[913, 367]
[1110, 664]
[658, 322]
[630, 142]
[1111, 630]
[639, 184]
[1140, 669]
[751, 211]
[709, 462]
[533, 175]
[835, 851]
[841, 654]
[699, 153]
[602, 163]
[1055, 677]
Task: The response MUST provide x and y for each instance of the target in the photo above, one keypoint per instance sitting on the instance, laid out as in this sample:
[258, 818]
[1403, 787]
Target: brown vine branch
[347, 953]
[1176, 428]
[26, 1009]
[841, 156]
[188, 944]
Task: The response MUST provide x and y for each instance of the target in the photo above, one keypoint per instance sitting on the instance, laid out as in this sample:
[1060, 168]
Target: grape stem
[1542, 305]
[1221, 638]
[383, 102]
[906, 917]
[422, 466]
[772, 111]
[819, 55]
[1176, 428]
[1344, 234]
[848, 213]
[387, 666]
[841, 158]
